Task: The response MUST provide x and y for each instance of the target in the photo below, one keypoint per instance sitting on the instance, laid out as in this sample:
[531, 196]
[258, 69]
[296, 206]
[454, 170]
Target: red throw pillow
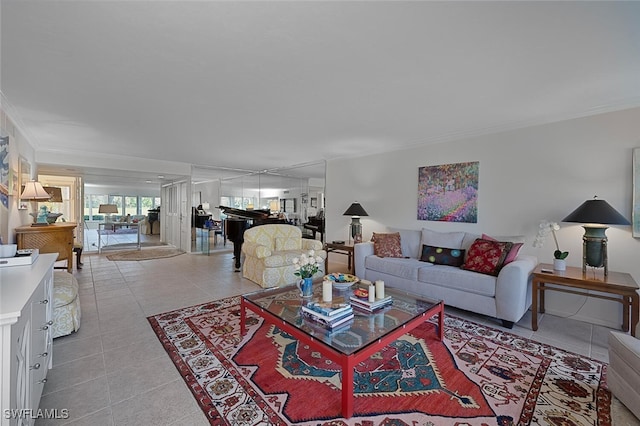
[513, 253]
[487, 257]
[387, 245]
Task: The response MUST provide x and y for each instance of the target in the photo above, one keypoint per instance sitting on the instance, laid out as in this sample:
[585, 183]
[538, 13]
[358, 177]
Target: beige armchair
[269, 251]
[623, 374]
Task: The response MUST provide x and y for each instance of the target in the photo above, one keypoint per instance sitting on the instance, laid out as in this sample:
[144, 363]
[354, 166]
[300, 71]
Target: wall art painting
[448, 192]
[635, 212]
[4, 171]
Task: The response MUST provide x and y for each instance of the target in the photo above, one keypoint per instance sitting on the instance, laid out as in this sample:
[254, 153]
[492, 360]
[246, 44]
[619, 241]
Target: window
[133, 205]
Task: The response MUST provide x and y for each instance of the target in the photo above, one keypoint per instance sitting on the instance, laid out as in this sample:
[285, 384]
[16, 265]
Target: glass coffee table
[367, 334]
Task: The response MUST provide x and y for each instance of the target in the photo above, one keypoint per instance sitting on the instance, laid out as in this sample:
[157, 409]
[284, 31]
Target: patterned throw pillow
[513, 253]
[442, 256]
[387, 245]
[487, 257]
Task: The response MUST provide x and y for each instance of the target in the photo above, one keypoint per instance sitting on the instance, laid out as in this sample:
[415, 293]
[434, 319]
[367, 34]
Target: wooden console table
[54, 238]
[346, 249]
[618, 283]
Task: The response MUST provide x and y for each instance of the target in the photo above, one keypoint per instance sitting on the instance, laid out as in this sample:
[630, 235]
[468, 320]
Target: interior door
[178, 215]
[185, 216]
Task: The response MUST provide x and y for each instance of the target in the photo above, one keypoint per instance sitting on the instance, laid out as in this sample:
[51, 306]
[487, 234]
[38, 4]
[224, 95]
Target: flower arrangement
[547, 227]
[307, 265]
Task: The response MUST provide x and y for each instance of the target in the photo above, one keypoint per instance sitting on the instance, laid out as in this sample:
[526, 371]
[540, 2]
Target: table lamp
[108, 209]
[595, 214]
[355, 210]
[33, 191]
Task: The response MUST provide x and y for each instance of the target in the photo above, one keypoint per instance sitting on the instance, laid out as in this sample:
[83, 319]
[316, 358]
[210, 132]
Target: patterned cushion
[513, 253]
[487, 257]
[442, 256]
[387, 245]
[288, 243]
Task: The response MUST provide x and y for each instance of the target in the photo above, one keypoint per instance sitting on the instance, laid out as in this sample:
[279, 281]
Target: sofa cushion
[410, 241]
[487, 257]
[517, 242]
[288, 243]
[459, 279]
[281, 258]
[442, 239]
[397, 266]
[387, 245]
[442, 256]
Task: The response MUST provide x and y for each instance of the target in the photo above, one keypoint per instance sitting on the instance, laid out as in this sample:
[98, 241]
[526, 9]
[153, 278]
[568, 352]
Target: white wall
[541, 172]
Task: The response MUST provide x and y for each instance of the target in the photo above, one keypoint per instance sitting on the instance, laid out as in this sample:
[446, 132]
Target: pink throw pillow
[513, 253]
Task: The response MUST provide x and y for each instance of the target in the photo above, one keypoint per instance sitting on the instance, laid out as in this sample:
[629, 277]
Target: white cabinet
[26, 313]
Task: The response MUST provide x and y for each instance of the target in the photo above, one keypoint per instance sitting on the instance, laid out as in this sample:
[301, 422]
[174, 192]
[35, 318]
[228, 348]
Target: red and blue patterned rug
[477, 376]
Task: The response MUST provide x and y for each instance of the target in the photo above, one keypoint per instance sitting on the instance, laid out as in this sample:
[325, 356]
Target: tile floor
[114, 371]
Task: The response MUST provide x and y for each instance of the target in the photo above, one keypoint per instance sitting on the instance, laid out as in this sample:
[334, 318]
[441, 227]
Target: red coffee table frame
[346, 361]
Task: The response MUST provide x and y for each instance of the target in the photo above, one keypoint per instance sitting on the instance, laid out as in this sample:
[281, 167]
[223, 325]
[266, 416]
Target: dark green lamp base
[594, 247]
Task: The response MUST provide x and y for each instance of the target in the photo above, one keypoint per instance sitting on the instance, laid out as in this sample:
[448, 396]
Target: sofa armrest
[513, 288]
[252, 249]
[360, 252]
[308, 244]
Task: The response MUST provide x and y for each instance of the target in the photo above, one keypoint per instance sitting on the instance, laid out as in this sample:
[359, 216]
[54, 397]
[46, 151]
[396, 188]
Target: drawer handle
[44, 354]
[44, 328]
[43, 381]
[36, 366]
[44, 302]
[50, 322]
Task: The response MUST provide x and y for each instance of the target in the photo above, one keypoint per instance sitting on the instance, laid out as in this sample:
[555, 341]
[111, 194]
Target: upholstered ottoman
[66, 304]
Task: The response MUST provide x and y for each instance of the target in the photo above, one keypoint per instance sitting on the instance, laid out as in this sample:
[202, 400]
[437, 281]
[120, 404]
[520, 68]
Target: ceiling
[265, 85]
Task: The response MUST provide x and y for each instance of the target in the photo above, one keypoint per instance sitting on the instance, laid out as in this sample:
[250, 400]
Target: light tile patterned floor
[114, 371]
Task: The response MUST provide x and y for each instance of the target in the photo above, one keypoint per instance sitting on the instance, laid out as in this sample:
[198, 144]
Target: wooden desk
[346, 249]
[54, 238]
[618, 283]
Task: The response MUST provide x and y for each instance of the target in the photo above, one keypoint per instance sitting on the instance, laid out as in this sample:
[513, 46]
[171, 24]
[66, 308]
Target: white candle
[379, 289]
[372, 293]
[327, 289]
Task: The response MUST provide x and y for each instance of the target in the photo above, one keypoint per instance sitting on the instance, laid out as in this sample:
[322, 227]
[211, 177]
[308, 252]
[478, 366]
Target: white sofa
[506, 296]
[623, 373]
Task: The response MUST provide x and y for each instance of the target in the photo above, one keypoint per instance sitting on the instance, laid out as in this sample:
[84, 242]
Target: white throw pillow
[451, 240]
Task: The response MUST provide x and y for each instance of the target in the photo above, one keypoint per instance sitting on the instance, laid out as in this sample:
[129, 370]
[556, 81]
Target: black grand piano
[238, 221]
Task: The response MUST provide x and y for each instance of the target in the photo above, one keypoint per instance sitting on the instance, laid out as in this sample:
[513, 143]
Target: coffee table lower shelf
[346, 361]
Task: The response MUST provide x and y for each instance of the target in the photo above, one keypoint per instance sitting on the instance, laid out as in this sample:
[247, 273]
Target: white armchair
[269, 251]
[623, 374]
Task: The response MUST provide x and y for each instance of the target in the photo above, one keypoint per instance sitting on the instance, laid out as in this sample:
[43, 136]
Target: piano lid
[244, 214]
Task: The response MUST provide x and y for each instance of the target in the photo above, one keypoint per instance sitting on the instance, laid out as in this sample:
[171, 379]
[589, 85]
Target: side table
[54, 238]
[346, 249]
[574, 281]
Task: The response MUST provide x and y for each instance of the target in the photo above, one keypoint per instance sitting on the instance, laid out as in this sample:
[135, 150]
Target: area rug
[477, 376]
[146, 254]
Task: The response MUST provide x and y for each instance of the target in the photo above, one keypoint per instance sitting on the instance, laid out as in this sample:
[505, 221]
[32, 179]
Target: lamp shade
[34, 191]
[597, 212]
[355, 209]
[108, 208]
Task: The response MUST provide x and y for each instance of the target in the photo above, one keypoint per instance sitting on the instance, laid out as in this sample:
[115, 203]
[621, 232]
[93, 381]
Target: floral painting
[448, 192]
[635, 213]
[4, 171]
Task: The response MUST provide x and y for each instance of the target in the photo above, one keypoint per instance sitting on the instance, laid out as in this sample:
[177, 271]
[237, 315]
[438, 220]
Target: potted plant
[546, 227]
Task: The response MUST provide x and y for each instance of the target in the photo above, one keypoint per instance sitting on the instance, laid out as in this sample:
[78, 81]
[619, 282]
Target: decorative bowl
[52, 217]
[8, 250]
[342, 281]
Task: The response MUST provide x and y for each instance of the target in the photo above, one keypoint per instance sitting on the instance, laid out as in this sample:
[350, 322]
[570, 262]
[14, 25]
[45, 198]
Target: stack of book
[330, 316]
[364, 304]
